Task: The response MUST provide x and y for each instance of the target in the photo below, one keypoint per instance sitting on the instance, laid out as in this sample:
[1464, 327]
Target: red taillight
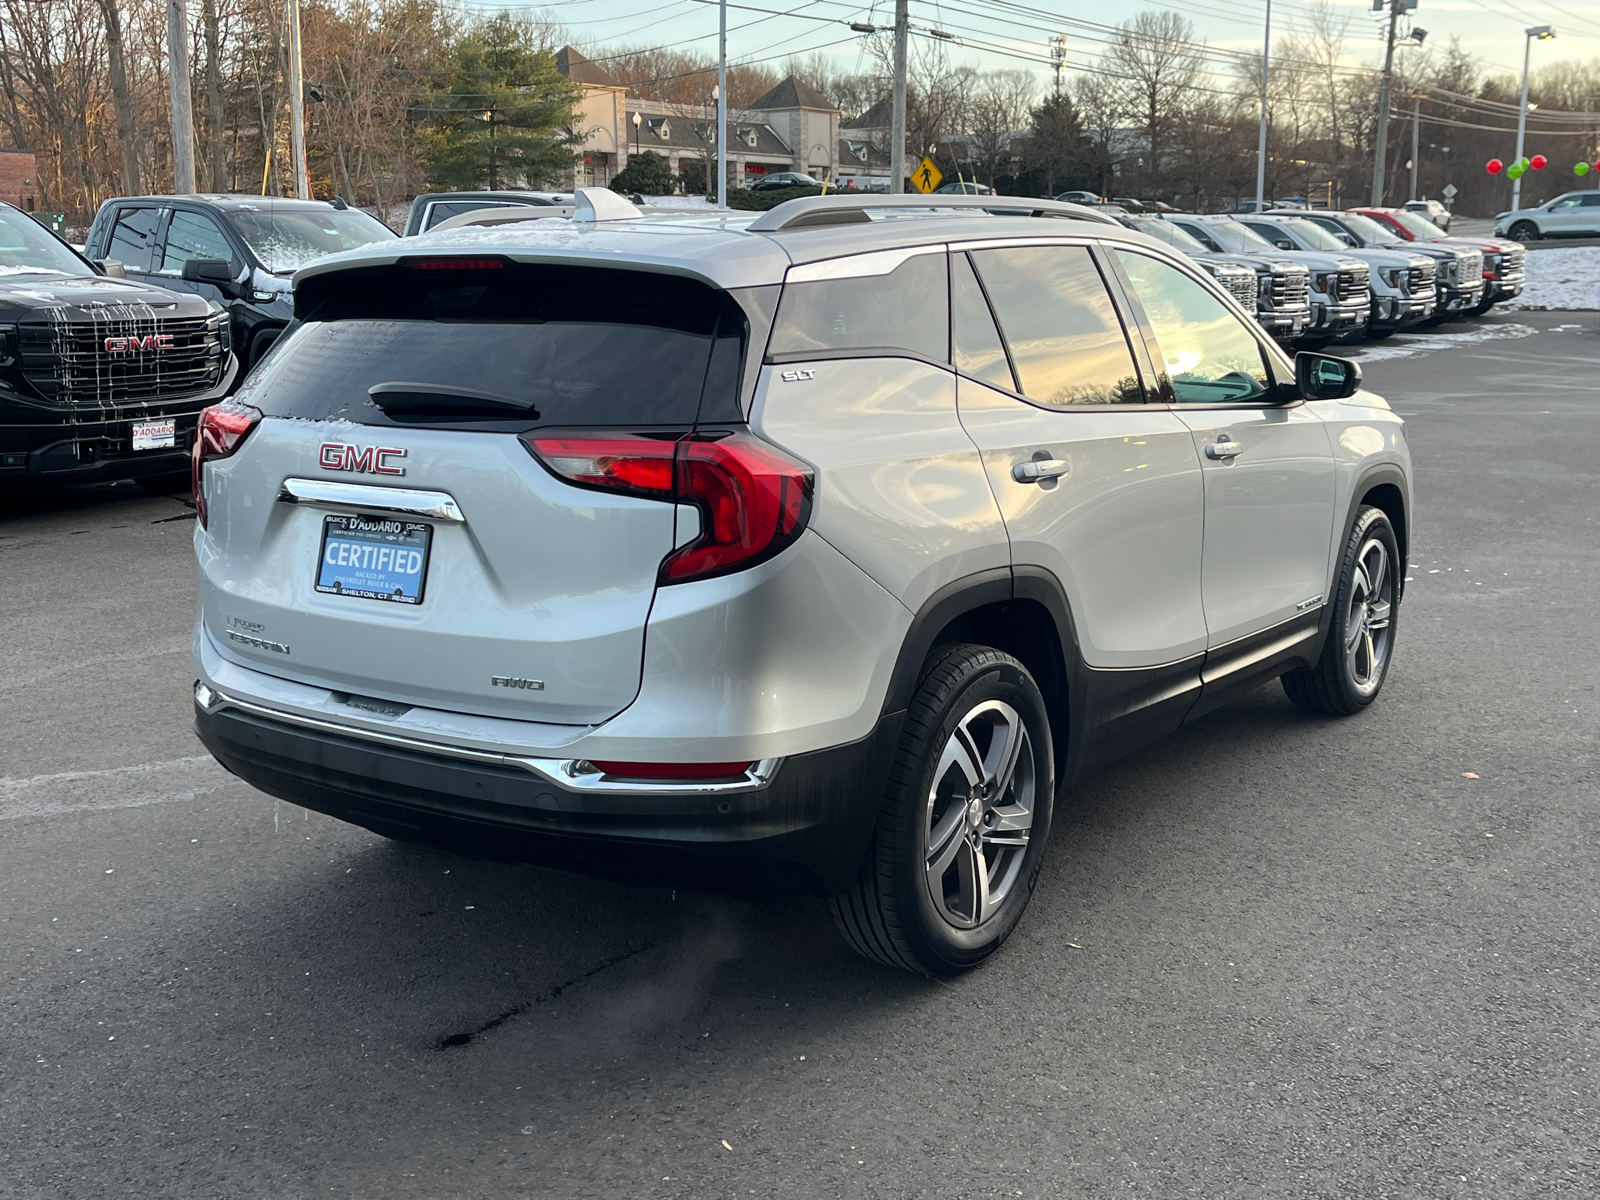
[673, 772]
[753, 499]
[220, 430]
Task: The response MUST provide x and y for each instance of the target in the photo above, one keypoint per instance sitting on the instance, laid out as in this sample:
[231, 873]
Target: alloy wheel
[979, 814]
[1368, 621]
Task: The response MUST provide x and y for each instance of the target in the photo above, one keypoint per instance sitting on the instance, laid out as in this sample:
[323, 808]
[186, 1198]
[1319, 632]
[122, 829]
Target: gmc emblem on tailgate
[127, 345]
[337, 456]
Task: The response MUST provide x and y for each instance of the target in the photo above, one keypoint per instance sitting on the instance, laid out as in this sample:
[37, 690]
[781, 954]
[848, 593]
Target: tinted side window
[1209, 354]
[1199, 233]
[907, 309]
[133, 237]
[1592, 201]
[193, 235]
[1065, 336]
[979, 351]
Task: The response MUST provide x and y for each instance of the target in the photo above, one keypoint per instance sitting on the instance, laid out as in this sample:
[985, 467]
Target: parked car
[1342, 296]
[784, 179]
[236, 251]
[101, 378]
[433, 209]
[1338, 306]
[1078, 198]
[1503, 259]
[964, 189]
[1463, 272]
[1248, 280]
[680, 602]
[1571, 214]
[1433, 210]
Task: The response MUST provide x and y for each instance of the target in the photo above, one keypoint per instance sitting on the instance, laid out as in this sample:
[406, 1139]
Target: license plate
[374, 558]
[155, 435]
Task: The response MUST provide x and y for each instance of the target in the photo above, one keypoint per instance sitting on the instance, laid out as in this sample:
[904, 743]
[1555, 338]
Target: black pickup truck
[101, 378]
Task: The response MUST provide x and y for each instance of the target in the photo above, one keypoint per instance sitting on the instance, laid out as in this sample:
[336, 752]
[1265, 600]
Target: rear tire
[959, 842]
[1366, 610]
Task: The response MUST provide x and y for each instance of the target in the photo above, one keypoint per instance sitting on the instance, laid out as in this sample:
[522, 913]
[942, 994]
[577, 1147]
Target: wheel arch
[1024, 613]
[1384, 487]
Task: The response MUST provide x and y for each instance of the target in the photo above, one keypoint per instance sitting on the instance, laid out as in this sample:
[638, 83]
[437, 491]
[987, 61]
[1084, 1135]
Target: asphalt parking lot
[1271, 956]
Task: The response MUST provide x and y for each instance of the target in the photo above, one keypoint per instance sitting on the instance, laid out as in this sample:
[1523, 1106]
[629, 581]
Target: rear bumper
[806, 828]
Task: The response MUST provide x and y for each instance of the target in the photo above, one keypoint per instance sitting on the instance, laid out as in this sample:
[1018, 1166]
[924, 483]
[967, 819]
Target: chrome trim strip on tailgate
[327, 494]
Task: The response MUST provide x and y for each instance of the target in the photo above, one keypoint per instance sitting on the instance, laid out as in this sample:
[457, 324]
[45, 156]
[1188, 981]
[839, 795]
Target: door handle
[1224, 449]
[1040, 469]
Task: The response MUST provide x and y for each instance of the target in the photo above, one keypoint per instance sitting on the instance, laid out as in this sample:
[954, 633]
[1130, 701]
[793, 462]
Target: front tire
[958, 846]
[1366, 609]
[1523, 231]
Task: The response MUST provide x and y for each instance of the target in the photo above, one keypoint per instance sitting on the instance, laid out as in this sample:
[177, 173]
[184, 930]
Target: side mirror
[1325, 376]
[216, 271]
[1346, 239]
[1284, 244]
[111, 268]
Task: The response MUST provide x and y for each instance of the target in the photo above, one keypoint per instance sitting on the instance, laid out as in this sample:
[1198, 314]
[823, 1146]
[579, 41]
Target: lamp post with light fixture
[637, 121]
[1543, 33]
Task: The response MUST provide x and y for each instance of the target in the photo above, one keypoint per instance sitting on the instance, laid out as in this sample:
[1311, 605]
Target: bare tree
[1158, 62]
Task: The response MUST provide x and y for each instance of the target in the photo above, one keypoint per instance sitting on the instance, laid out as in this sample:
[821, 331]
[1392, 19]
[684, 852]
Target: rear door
[1096, 486]
[1268, 467]
[386, 531]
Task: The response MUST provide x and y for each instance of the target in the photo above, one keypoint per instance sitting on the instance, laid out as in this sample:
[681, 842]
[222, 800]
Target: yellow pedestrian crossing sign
[926, 177]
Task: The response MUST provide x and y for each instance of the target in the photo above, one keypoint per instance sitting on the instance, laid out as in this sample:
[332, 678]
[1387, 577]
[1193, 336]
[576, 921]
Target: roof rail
[807, 212]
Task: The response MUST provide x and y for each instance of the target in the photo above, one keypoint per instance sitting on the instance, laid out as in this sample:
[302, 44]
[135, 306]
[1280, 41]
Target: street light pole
[1544, 33]
[1261, 143]
[1416, 120]
[722, 105]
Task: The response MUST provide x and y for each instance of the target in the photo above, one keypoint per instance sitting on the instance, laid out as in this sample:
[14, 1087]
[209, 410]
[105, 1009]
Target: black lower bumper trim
[808, 830]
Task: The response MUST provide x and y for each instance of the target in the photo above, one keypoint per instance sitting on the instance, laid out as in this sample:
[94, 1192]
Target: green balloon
[1524, 162]
[1514, 171]
[1581, 169]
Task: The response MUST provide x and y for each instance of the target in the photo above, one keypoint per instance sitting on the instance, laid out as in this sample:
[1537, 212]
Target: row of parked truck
[1315, 276]
[108, 352]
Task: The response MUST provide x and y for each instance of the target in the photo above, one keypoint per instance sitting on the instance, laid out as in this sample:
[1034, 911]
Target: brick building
[19, 179]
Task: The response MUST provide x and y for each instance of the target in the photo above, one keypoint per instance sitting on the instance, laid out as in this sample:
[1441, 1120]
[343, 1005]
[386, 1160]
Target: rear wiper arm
[420, 401]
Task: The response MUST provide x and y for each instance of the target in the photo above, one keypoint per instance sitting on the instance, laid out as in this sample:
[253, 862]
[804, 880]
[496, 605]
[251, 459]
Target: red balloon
[1537, 162]
[1494, 166]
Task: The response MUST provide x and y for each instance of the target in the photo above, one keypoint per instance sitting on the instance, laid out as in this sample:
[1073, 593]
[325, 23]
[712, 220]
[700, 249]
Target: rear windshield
[554, 345]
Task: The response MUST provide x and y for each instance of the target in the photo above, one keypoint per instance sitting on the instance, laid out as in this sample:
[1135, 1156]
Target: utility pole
[182, 109]
[1416, 119]
[1261, 141]
[722, 105]
[897, 126]
[297, 105]
[1395, 8]
[494, 174]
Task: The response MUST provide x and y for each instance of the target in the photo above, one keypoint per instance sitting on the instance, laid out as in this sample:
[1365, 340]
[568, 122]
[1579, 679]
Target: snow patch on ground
[695, 203]
[1427, 341]
[1565, 278]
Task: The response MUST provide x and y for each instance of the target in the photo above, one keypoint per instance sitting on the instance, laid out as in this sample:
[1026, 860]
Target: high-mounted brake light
[221, 429]
[454, 264]
[753, 499]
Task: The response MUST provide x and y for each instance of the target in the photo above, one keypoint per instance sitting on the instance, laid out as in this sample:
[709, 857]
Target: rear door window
[535, 345]
[895, 311]
[133, 238]
[1065, 337]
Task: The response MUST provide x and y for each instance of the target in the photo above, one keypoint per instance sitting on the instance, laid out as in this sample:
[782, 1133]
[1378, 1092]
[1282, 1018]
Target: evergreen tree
[506, 119]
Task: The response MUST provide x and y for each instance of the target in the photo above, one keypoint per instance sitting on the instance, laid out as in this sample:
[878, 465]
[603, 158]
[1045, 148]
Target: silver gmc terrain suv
[817, 549]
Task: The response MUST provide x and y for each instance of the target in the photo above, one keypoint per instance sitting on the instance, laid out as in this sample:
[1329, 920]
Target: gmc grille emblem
[127, 345]
[373, 460]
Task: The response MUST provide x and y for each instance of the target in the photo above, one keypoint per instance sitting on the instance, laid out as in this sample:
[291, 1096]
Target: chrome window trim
[859, 266]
